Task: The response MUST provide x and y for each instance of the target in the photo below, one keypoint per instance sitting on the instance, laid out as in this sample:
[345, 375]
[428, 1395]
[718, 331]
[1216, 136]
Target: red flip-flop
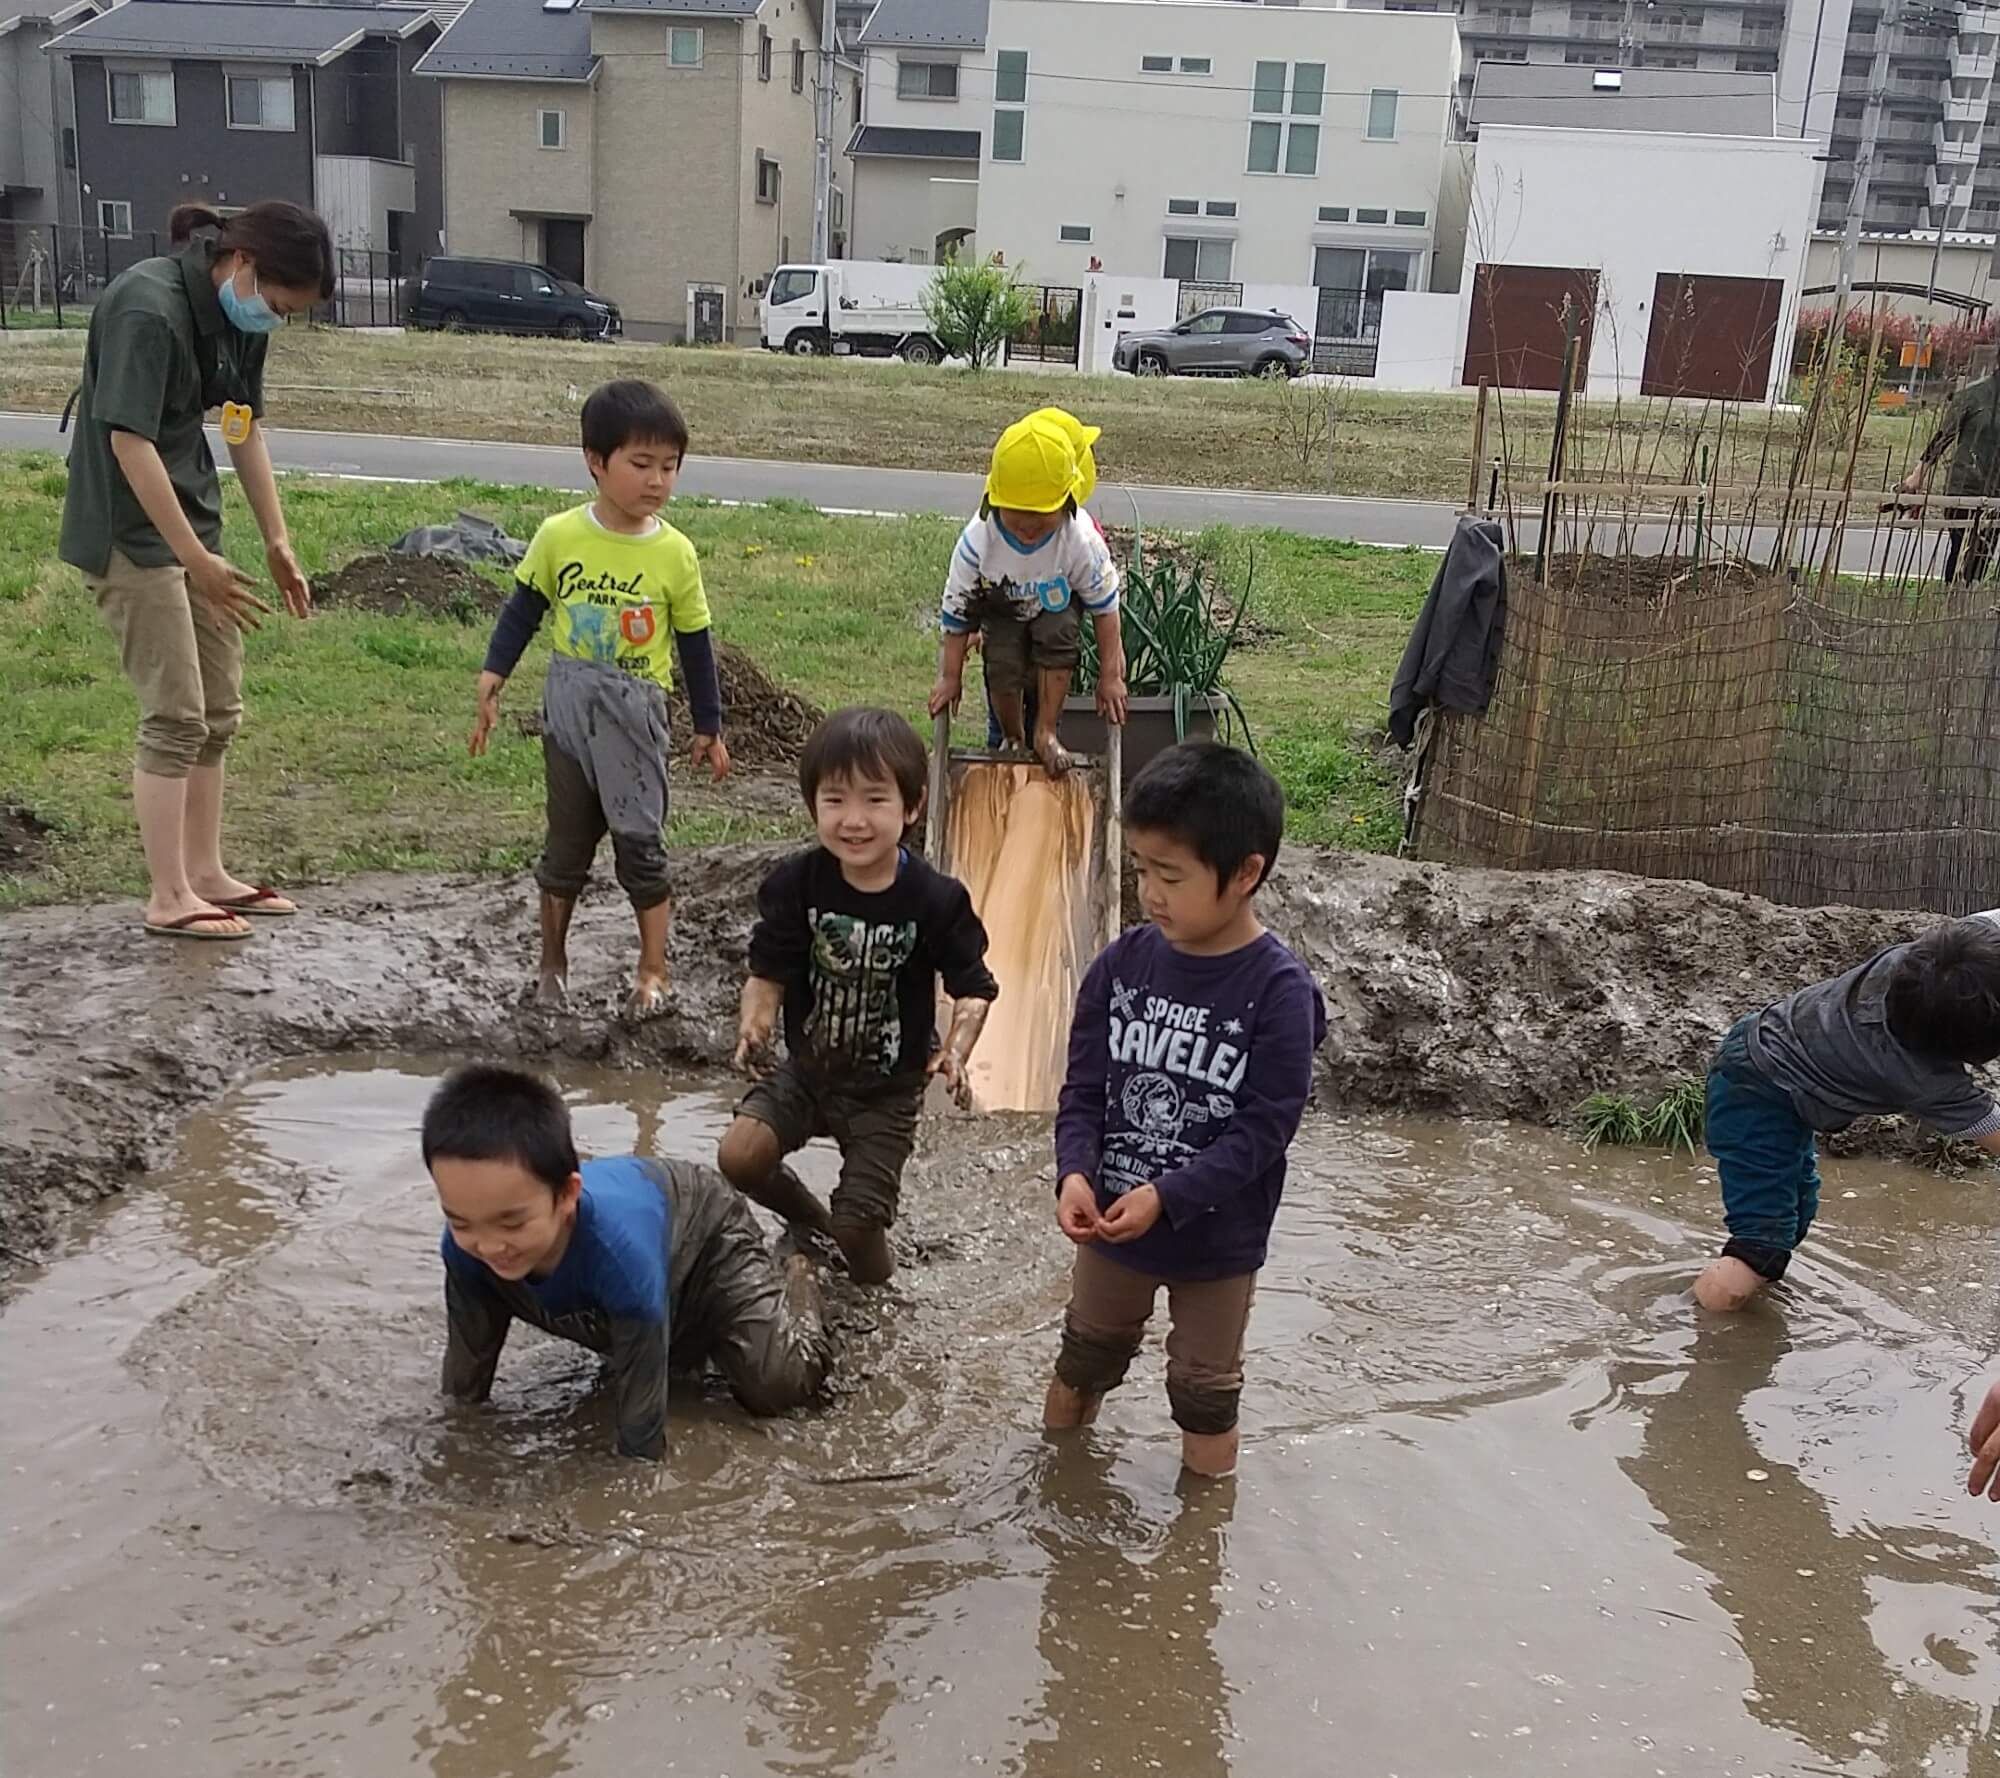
[190, 926]
[262, 902]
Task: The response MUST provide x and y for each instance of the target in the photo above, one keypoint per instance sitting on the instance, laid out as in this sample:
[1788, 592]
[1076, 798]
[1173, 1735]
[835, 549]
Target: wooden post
[1114, 830]
[935, 837]
[1478, 449]
[1562, 426]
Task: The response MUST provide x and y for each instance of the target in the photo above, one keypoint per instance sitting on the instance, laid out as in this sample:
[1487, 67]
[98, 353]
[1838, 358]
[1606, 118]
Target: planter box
[1149, 727]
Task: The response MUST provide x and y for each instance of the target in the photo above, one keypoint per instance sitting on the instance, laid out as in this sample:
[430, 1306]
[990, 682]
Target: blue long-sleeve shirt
[1190, 1074]
[610, 1291]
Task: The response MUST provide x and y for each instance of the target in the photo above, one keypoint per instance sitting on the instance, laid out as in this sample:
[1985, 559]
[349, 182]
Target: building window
[1156, 64]
[69, 148]
[114, 217]
[1371, 216]
[1010, 87]
[1373, 269]
[926, 80]
[763, 55]
[260, 101]
[684, 47]
[1222, 206]
[142, 95]
[1184, 206]
[1197, 65]
[1382, 104]
[1411, 218]
[1075, 231]
[1276, 145]
[767, 178]
[1333, 212]
[1198, 262]
[554, 131]
[838, 199]
[798, 66]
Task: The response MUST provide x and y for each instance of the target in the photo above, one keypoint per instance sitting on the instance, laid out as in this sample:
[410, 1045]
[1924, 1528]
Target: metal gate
[1053, 330]
[1196, 297]
[1347, 331]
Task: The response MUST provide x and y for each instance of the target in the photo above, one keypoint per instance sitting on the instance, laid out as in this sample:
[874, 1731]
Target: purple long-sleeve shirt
[1190, 1074]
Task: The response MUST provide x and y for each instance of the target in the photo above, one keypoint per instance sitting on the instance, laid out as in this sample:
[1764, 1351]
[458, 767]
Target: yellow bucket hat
[1042, 462]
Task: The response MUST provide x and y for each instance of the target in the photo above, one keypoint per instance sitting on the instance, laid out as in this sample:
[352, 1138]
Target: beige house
[660, 151]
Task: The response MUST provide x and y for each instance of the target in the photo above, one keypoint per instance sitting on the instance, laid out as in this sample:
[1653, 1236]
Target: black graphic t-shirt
[1190, 1074]
[860, 970]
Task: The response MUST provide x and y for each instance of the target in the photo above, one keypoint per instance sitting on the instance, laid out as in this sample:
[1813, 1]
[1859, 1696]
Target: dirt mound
[1478, 992]
[23, 840]
[1633, 580]
[434, 586]
[766, 726]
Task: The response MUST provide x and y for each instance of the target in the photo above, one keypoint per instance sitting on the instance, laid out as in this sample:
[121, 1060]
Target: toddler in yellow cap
[1023, 573]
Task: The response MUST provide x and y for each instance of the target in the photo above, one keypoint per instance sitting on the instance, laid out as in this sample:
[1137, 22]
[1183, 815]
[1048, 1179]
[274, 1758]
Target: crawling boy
[653, 1263]
[1893, 1036]
[852, 937]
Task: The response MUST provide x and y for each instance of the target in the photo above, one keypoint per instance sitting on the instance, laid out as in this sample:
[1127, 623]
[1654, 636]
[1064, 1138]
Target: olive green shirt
[1970, 430]
[161, 353]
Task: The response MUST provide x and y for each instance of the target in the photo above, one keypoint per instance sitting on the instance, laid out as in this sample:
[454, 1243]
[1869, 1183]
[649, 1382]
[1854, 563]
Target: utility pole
[823, 132]
[1864, 159]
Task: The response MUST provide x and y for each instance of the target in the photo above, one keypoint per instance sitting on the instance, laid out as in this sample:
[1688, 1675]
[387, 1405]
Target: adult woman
[170, 339]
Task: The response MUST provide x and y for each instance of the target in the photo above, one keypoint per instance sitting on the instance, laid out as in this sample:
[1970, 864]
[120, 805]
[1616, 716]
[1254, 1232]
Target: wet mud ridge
[1479, 992]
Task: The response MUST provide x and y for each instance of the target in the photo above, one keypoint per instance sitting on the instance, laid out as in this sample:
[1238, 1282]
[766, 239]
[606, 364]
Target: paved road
[849, 488]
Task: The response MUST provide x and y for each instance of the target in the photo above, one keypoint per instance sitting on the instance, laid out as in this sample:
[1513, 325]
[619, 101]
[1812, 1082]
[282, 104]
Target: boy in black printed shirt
[852, 937]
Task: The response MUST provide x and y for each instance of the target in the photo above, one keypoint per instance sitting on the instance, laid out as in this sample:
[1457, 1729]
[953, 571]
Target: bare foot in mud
[551, 991]
[647, 1000]
[1053, 755]
[1727, 1285]
[866, 1251]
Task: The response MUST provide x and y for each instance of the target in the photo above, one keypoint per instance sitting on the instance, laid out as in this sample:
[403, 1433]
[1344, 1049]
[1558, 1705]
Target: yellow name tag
[236, 422]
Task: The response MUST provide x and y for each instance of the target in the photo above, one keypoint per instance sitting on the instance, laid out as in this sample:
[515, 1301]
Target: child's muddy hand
[1985, 1443]
[1076, 1209]
[753, 1051]
[709, 751]
[952, 1071]
[488, 712]
[945, 694]
[1131, 1216]
[1111, 700]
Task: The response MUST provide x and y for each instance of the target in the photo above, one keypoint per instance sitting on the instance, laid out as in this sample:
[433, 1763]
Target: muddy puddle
[1505, 1507]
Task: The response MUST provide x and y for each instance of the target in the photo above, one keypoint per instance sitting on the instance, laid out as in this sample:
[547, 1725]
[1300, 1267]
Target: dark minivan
[507, 296]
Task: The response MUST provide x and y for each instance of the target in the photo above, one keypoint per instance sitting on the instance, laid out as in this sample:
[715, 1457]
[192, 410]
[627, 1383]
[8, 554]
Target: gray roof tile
[926, 24]
[236, 30]
[912, 144]
[513, 40]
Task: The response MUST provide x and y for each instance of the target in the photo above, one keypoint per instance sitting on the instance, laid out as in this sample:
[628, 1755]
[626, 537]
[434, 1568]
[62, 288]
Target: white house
[1206, 142]
[1675, 236]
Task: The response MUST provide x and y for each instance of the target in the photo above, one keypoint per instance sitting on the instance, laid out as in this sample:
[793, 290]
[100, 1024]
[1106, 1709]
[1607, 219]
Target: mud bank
[1476, 992]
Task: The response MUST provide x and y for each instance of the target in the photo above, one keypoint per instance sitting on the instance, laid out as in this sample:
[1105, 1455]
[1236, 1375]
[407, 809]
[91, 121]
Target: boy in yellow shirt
[620, 580]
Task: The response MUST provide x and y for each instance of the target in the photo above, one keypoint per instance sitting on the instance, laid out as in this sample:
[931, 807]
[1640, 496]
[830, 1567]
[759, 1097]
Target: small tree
[976, 309]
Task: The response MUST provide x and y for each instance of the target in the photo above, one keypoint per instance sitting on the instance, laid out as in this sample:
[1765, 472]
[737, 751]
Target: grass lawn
[353, 754]
[1179, 431]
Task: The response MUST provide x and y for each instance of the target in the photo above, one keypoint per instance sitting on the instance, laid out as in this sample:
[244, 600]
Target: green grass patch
[1675, 1120]
[353, 755]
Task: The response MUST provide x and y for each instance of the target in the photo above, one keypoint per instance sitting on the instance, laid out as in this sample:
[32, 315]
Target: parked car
[1219, 343]
[507, 296]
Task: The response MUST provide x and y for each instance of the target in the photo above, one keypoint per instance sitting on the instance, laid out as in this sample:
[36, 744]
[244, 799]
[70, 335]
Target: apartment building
[1208, 142]
[1937, 162]
[659, 150]
[37, 122]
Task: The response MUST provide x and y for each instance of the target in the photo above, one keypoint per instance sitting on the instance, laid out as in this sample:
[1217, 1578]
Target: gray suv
[1219, 343]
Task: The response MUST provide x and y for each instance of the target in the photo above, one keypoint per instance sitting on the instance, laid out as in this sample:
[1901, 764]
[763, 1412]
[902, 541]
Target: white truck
[862, 307]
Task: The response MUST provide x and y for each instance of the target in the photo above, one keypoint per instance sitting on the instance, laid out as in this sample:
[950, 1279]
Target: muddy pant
[1016, 648]
[604, 759]
[735, 1309]
[1765, 1153]
[184, 662]
[1109, 1307]
[874, 1124]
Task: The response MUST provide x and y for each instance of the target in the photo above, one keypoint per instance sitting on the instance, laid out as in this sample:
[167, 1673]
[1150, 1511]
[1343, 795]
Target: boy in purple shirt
[1190, 1062]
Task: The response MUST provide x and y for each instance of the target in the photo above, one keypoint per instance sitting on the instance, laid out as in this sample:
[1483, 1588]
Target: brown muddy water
[1507, 1506]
